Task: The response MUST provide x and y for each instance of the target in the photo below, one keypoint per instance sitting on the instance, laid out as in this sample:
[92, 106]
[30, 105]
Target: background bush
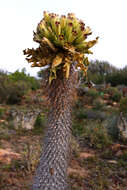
[96, 136]
[123, 105]
[101, 72]
[2, 110]
[13, 86]
[117, 96]
[114, 93]
[32, 82]
[111, 125]
[93, 93]
[98, 104]
[16, 91]
[40, 123]
[92, 133]
[90, 114]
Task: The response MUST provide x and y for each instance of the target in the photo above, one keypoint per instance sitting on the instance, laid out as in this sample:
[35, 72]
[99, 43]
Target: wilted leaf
[34, 65]
[66, 69]
[49, 44]
[87, 30]
[86, 61]
[79, 57]
[92, 43]
[57, 60]
[82, 67]
[52, 75]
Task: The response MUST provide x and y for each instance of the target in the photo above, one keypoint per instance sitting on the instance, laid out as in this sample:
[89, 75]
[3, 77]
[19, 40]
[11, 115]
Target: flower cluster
[62, 40]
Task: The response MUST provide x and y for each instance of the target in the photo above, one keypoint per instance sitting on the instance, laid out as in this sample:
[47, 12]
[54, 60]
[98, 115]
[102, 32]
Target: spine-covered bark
[52, 170]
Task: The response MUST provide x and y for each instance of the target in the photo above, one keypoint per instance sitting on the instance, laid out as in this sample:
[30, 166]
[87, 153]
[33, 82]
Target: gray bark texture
[51, 173]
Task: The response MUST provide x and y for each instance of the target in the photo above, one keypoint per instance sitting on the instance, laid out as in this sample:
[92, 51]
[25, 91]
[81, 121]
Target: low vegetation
[13, 86]
[123, 105]
[99, 155]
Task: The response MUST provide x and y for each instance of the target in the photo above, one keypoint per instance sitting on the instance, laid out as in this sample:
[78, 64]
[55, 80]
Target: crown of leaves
[62, 41]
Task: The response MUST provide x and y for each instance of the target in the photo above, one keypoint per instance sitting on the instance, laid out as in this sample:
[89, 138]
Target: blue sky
[18, 19]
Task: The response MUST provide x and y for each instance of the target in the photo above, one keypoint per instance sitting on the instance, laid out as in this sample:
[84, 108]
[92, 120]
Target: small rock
[2, 121]
[112, 161]
[116, 147]
[77, 172]
[119, 153]
[83, 155]
[106, 96]
[6, 156]
[24, 119]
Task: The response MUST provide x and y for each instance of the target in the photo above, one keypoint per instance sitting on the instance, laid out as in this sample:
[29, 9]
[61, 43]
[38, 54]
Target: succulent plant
[62, 46]
[62, 41]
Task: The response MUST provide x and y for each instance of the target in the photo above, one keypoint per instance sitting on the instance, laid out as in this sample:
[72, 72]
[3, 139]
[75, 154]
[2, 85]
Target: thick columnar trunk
[52, 170]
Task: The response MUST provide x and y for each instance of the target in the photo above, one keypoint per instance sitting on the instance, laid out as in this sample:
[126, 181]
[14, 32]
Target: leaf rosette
[62, 41]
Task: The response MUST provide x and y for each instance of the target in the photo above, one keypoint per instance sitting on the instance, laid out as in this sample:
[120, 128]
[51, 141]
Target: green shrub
[114, 93]
[2, 110]
[97, 104]
[123, 105]
[78, 103]
[116, 96]
[10, 92]
[81, 114]
[93, 93]
[118, 78]
[111, 90]
[90, 114]
[78, 129]
[3, 91]
[124, 156]
[111, 125]
[32, 82]
[107, 154]
[15, 85]
[96, 136]
[31, 156]
[16, 92]
[40, 123]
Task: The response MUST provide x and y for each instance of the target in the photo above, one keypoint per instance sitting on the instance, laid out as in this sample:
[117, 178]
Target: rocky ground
[89, 169]
[99, 155]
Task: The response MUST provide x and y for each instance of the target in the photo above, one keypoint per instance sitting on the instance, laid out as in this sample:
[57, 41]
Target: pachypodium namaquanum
[63, 47]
